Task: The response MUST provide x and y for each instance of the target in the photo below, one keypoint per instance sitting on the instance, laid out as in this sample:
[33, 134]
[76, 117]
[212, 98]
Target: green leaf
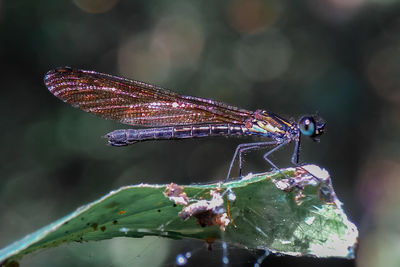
[289, 212]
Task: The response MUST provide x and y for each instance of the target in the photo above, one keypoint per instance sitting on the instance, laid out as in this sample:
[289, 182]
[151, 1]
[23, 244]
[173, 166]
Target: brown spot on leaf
[175, 193]
[94, 226]
[112, 205]
[207, 212]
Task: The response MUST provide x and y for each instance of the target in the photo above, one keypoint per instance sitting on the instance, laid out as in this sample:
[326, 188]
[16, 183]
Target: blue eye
[307, 126]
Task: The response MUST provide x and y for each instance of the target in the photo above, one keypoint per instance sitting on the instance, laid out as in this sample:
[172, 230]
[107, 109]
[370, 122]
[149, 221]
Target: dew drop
[231, 196]
[181, 260]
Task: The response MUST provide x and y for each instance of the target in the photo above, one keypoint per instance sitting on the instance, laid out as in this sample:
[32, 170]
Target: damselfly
[174, 116]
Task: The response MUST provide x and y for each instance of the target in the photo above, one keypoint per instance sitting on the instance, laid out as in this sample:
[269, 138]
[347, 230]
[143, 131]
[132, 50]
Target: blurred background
[340, 58]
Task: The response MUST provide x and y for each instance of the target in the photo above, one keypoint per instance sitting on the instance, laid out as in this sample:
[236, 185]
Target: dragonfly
[167, 115]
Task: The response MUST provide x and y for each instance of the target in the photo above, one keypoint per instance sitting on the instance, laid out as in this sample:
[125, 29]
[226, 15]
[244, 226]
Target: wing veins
[127, 100]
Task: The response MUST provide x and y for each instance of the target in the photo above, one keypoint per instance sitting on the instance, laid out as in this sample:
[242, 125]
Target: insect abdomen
[125, 137]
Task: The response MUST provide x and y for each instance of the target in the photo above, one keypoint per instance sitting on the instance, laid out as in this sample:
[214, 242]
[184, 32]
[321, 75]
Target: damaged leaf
[290, 212]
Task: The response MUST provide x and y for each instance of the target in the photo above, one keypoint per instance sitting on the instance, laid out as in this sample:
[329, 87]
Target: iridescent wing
[136, 103]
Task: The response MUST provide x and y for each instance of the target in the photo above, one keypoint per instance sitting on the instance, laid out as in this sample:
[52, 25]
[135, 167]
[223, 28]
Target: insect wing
[136, 103]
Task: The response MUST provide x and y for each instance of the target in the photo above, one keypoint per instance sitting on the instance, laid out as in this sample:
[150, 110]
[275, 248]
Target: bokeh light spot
[137, 61]
[253, 15]
[181, 38]
[264, 56]
[336, 11]
[175, 42]
[95, 6]
[383, 72]
[379, 185]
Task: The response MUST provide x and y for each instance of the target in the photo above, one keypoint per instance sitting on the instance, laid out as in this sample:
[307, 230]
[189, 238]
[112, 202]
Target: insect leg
[296, 152]
[245, 147]
[295, 158]
[272, 151]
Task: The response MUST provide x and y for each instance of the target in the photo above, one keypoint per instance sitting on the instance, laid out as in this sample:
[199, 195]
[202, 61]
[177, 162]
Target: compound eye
[307, 126]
